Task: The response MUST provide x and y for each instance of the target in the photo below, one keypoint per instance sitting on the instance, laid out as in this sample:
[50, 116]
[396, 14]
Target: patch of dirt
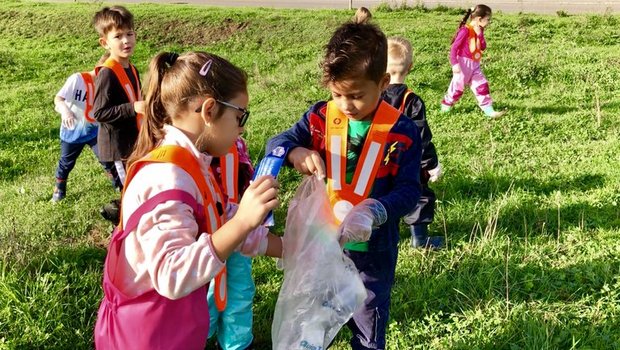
[185, 33]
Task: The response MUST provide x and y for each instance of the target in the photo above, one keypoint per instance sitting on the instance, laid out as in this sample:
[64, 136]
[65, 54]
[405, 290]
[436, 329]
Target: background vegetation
[528, 203]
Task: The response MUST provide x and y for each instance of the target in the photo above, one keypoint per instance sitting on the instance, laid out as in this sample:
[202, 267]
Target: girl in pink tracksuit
[465, 56]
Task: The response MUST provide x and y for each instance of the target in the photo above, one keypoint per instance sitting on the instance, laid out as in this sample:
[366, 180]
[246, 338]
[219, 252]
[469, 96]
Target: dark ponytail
[155, 116]
[479, 10]
[464, 20]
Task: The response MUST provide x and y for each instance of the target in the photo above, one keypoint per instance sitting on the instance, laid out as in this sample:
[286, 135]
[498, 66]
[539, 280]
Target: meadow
[529, 204]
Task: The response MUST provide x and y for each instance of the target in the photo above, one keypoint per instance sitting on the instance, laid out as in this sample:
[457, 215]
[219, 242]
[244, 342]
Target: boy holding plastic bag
[372, 153]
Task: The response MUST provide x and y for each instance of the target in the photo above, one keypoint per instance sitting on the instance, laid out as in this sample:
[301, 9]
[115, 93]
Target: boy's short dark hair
[356, 49]
[110, 18]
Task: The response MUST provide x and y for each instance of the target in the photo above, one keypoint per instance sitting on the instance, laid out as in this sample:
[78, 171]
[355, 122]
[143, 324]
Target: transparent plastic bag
[322, 288]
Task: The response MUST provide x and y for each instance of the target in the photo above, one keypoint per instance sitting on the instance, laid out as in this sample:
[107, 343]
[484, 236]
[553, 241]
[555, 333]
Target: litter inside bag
[322, 288]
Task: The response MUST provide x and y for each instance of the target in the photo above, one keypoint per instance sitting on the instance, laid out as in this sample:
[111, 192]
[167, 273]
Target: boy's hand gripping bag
[322, 288]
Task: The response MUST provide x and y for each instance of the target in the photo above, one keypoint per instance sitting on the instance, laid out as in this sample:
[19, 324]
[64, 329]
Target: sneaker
[492, 113]
[58, 195]
[496, 114]
[420, 238]
[111, 211]
[60, 190]
[445, 108]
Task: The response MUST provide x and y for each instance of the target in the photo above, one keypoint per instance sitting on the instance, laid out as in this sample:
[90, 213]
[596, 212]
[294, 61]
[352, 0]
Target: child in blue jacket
[370, 154]
[400, 62]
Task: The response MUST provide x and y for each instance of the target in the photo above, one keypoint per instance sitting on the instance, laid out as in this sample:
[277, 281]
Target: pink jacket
[163, 252]
[460, 46]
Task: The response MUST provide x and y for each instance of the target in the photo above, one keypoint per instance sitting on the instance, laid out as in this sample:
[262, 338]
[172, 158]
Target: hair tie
[172, 57]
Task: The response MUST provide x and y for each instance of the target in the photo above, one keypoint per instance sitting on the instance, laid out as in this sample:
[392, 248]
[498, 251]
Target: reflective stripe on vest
[344, 196]
[229, 176]
[402, 105]
[132, 95]
[211, 194]
[474, 44]
[90, 96]
[229, 167]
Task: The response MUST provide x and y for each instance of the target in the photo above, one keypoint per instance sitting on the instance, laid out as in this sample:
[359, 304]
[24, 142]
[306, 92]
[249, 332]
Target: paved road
[533, 6]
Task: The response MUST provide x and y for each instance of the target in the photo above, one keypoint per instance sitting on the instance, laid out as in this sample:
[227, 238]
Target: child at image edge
[176, 228]
[397, 94]
[117, 95]
[232, 327]
[370, 154]
[465, 57]
[74, 103]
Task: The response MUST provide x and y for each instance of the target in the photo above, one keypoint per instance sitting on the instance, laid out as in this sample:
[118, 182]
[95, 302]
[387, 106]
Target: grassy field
[529, 203]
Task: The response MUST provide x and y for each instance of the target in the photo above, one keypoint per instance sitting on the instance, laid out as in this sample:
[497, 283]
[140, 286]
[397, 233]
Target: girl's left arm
[483, 43]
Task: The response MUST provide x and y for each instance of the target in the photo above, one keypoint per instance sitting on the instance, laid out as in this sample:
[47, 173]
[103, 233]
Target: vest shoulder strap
[404, 103]
[182, 158]
[89, 83]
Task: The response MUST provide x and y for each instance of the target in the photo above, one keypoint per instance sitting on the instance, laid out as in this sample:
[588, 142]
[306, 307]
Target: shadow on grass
[536, 110]
[529, 219]
[475, 281]
[529, 216]
[485, 186]
[80, 258]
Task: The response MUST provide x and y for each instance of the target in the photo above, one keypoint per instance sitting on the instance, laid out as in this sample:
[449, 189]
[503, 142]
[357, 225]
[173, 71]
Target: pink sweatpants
[470, 75]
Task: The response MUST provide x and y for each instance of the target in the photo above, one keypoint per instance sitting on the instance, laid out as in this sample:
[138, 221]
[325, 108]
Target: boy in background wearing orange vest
[74, 102]
[118, 102]
[399, 64]
[372, 154]
[233, 326]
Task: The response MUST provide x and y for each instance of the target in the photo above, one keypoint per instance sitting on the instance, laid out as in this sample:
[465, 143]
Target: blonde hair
[400, 55]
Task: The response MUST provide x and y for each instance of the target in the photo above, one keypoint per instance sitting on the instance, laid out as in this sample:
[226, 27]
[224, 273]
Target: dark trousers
[424, 211]
[69, 153]
[369, 323]
[116, 172]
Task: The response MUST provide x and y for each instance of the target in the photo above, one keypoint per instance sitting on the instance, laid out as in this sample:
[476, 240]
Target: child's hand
[456, 69]
[139, 107]
[307, 162]
[435, 173]
[361, 220]
[68, 120]
[259, 199]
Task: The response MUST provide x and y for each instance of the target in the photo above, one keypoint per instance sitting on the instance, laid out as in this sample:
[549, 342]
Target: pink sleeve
[244, 154]
[459, 41]
[483, 43]
[166, 250]
[255, 243]
[177, 263]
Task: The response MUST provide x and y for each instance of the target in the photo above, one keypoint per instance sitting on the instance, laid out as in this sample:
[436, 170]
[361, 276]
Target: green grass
[529, 203]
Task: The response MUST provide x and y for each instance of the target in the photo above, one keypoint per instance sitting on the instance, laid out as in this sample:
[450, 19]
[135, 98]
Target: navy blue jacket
[397, 184]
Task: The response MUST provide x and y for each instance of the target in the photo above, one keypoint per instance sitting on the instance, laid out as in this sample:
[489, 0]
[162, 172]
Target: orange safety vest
[132, 95]
[90, 96]
[184, 159]
[474, 44]
[402, 105]
[229, 167]
[343, 196]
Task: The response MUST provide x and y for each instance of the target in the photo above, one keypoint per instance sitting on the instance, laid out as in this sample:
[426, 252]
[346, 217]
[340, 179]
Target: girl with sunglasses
[177, 229]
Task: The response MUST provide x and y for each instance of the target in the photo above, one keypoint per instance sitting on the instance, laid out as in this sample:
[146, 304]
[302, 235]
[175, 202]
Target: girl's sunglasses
[245, 114]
